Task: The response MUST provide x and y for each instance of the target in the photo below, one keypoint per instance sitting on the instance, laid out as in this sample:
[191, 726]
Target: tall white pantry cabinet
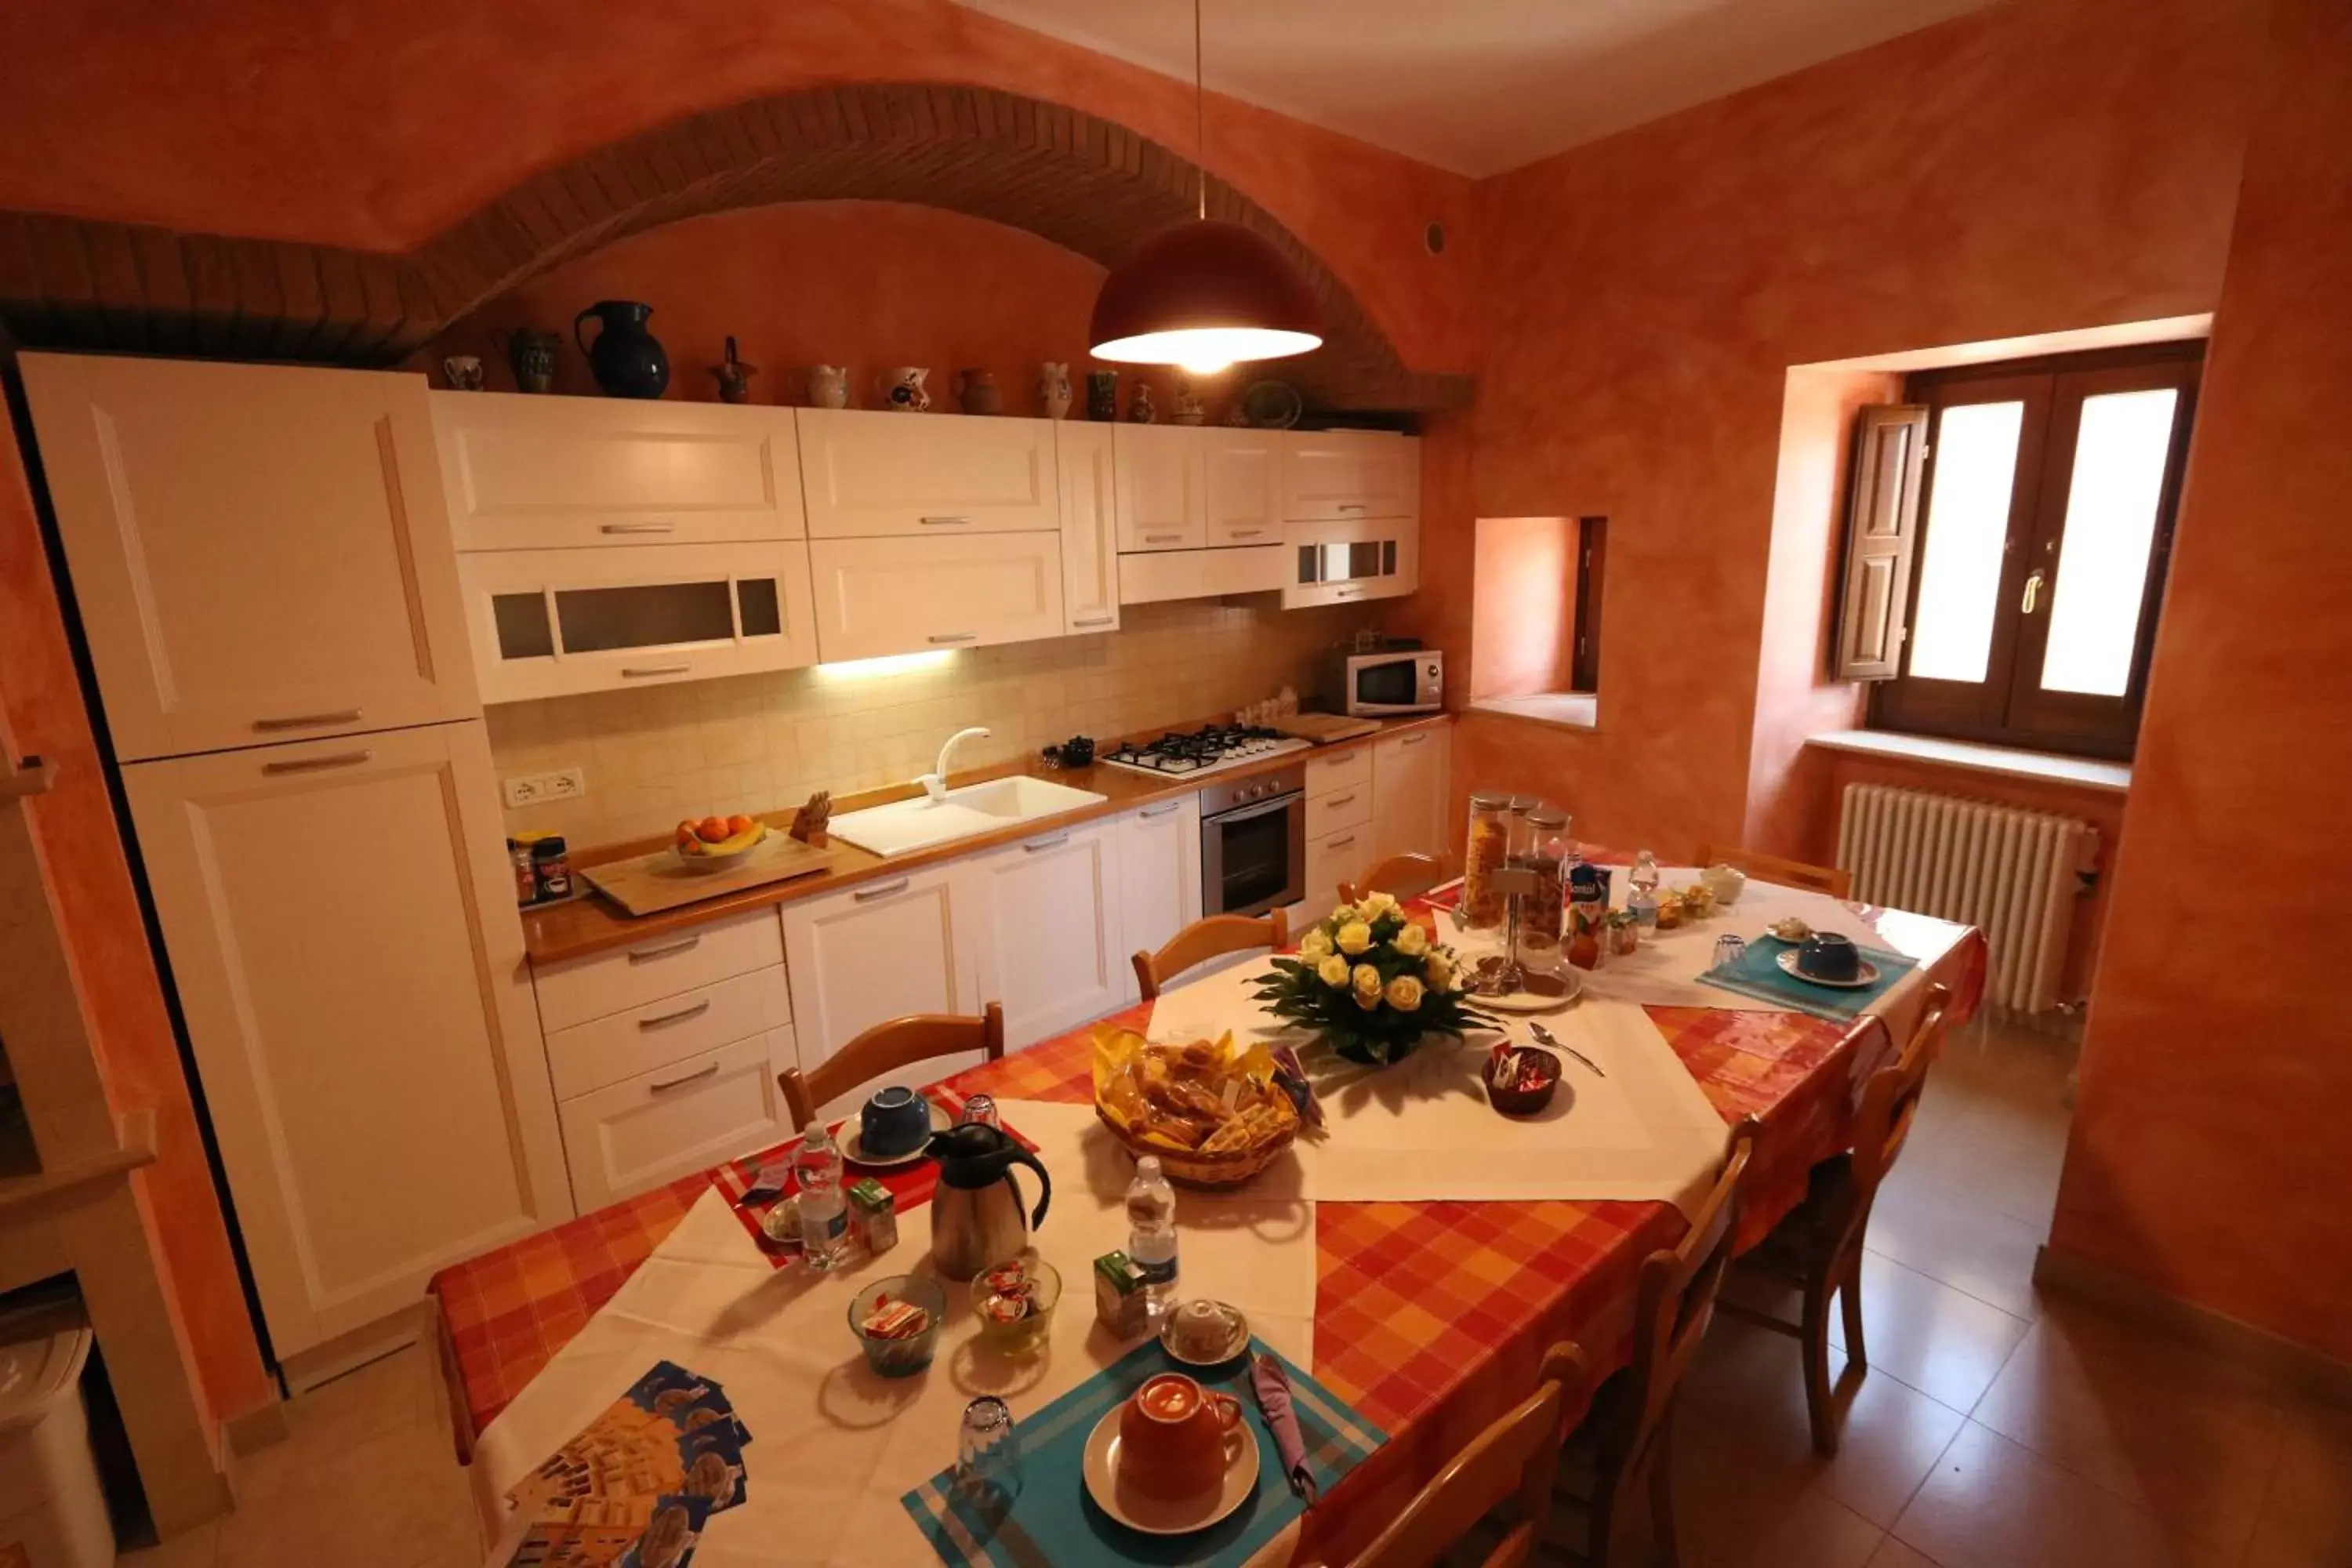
[262, 561]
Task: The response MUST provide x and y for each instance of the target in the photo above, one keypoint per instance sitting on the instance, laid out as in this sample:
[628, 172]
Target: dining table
[1413, 1316]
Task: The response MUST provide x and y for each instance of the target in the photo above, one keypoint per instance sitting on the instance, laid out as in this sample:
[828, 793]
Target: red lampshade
[1203, 295]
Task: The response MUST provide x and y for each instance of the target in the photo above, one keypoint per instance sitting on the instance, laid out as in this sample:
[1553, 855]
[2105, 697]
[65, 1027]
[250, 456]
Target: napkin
[1272, 1385]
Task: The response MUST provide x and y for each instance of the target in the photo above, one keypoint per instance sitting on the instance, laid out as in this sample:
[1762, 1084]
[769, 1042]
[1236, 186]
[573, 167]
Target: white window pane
[1968, 524]
[2110, 527]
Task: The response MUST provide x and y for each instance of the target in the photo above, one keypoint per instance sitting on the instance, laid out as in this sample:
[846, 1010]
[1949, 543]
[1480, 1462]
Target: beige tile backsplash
[762, 743]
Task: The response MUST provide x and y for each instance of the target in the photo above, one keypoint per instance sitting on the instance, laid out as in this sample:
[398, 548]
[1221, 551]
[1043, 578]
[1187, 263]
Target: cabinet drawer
[621, 1044]
[676, 1119]
[1328, 771]
[576, 990]
[866, 473]
[1333, 858]
[1330, 812]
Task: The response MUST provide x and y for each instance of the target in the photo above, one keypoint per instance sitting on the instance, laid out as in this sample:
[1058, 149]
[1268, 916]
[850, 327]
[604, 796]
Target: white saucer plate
[1867, 976]
[853, 1143]
[1236, 1342]
[1531, 1003]
[1152, 1515]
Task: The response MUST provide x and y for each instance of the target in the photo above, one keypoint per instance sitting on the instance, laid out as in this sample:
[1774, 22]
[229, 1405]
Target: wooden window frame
[2008, 707]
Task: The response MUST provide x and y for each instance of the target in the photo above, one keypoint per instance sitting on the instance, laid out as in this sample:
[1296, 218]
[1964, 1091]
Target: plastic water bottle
[1151, 1236]
[824, 1212]
[1641, 900]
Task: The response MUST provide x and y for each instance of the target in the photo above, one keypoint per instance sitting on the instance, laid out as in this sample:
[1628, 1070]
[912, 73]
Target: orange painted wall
[1525, 589]
[2035, 166]
[2208, 1150]
[378, 125]
[41, 713]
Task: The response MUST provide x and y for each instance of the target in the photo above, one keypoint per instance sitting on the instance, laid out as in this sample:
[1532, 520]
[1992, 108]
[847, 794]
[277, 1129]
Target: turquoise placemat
[1757, 973]
[1054, 1522]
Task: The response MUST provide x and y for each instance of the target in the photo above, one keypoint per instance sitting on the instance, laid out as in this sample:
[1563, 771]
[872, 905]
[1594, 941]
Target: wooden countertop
[592, 924]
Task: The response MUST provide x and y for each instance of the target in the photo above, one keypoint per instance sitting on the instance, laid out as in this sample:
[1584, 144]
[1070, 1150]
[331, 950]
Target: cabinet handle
[705, 1071]
[954, 637]
[647, 955]
[1163, 539]
[647, 671]
[1348, 593]
[637, 527]
[1352, 506]
[308, 720]
[1338, 843]
[312, 764]
[680, 1016]
[1094, 621]
[1161, 810]
[867, 895]
[944, 522]
[1244, 533]
[1341, 801]
[1412, 740]
[1036, 845]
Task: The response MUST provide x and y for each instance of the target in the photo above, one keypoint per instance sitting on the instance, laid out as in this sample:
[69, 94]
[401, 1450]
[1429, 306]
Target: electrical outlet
[564, 784]
[524, 790]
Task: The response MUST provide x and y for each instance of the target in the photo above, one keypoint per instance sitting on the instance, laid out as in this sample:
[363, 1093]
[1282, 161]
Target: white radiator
[2008, 872]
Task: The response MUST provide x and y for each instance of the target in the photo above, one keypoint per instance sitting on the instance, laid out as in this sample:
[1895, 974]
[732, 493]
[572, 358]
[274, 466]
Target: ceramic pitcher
[1102, 395]
[627, 360]
[978, 392]
[828, 385]
[903, 389]
[531, 356]
[1054, 393]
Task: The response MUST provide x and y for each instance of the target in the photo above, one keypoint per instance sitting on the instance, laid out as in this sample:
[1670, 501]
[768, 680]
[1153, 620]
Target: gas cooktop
[1202, 751]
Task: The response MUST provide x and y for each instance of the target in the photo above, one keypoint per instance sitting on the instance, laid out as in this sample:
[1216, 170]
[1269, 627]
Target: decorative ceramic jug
[1054, 394]
[627, 360]
[828, 385]
[1186, 407]
[734, 376]
[1139, 408]
[463, 371]
[978, 392]
[902, 389]
[1102, 395]
[530, 354]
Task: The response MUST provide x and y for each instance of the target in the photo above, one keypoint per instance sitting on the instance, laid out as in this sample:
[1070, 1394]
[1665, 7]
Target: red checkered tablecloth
[1429, 1317]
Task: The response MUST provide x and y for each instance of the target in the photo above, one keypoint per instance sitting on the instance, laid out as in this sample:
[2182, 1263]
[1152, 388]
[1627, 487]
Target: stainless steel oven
[1253, 843]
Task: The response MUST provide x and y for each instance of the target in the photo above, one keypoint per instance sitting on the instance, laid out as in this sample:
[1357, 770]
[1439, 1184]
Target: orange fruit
[711, 830]
[739, 823]
[684, 834]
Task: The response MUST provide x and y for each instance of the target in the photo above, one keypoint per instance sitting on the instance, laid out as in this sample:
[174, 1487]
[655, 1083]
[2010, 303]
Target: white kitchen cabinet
[1328, 474]
[1341, 562]
[526, 472]
[868, 955]
[876, 596]
[667, 1029]
[676, 1119]
[1159, 878]
[1202, 574]
[548, 623]
[341, 920]
[869, 473]
[259, 552]
[1409, 780]
[663, 963]
[1333, 857]
[1162, 485]
[1242, 473]
[1082, 451]
[1045, 914]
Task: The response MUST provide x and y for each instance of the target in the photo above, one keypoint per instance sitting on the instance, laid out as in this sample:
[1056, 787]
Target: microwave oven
[1398, 680]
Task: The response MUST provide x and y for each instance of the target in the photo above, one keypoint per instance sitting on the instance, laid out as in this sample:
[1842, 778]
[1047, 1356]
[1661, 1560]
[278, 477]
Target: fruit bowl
[717, 844]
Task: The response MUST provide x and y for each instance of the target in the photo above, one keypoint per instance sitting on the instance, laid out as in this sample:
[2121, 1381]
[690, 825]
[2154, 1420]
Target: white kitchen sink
[906, 825]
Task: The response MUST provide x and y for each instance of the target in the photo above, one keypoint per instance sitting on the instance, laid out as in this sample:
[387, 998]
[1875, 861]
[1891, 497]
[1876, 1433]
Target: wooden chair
[1834, 881]
[1206, 939]
[1511, 1462]
[1628, 1441]
[1399, 875]
[1818, 1248]
[886, 1047]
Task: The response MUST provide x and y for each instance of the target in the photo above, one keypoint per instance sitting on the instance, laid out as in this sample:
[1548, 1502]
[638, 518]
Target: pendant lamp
[1205, 295]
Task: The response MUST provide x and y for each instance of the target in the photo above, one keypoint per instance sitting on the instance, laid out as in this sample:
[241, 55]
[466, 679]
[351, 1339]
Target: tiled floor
[1996, 1430]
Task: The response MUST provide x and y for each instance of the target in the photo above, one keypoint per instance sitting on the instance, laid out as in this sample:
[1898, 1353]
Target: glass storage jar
[1547, 851]
[1485, 850]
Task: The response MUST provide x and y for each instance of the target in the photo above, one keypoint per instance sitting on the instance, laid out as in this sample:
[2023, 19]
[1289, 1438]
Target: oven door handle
[1247, 813]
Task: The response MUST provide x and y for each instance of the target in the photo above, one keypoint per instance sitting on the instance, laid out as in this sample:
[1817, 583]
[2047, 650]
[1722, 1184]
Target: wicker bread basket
[1190, 1168]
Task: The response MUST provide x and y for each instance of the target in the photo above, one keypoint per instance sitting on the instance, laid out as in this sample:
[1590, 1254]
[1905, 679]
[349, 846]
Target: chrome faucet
[934, 782]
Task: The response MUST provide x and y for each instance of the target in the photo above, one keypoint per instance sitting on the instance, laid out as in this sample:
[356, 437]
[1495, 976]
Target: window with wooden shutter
[1882, 527]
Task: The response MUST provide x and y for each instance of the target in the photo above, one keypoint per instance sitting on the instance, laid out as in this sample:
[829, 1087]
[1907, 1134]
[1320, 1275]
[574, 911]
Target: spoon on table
[1545, 1037]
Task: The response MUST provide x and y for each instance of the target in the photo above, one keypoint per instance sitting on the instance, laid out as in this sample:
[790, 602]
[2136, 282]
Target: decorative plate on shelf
[1273, 405]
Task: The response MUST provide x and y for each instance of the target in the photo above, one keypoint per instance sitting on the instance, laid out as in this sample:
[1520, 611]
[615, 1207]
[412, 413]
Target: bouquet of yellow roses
[1372, 983]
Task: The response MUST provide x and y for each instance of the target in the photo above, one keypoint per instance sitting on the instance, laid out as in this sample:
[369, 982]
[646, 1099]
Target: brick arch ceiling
[1086, 183]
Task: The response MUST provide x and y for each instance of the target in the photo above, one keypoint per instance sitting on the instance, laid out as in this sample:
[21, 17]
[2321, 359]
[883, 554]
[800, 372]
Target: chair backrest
[1515, 1456]
[1834, 881]
[1676, 1298]
[1399, 876]
[886, 1047]
[1206, 939]
[1890, 1099]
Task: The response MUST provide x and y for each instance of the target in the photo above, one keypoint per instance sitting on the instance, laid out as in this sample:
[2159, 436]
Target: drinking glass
[988, 1461]
[1729, 950]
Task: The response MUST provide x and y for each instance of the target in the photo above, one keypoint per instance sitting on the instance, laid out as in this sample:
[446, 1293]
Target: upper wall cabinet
[1162, 503]
[1329, 474]
[879, 597]
[1242, 470]
[525, 472]
[1089, 527]
[259, 552]
[864, 474]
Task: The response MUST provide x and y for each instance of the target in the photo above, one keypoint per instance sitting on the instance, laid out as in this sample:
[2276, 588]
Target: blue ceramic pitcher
[627, 360]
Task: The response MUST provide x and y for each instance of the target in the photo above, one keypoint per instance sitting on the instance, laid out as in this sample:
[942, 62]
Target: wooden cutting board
[1324, 728]
[648, 884]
